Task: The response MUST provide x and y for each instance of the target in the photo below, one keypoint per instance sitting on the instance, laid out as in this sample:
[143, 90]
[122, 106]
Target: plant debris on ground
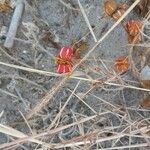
[77, 75]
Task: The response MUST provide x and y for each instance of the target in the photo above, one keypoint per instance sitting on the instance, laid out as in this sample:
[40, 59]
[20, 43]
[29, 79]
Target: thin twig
[47, 73]
[87, 21]
[61, 110]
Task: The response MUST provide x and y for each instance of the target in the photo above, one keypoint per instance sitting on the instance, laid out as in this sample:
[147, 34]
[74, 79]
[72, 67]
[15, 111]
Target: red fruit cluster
[64, 60]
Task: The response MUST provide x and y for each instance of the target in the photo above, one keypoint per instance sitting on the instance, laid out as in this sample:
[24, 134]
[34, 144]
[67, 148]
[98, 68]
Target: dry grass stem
[61, 110]
[94, 106]
[87, 21]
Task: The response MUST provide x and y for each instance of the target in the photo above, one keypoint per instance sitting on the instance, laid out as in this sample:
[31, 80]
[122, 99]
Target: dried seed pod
[118, 14]
[110, 7]
[78, 48]
[120, 11]
[114, 10]
[134, 39]
[121, 64]
[133, 27]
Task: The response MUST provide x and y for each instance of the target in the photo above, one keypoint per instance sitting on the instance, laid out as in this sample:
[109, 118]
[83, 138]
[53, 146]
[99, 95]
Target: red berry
[64, 60]
[64, 68]
[66, 53]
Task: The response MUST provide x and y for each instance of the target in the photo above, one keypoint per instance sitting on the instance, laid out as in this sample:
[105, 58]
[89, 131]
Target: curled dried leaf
[110, 7]
[122, 64]
[118, 14]
[133, 27]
